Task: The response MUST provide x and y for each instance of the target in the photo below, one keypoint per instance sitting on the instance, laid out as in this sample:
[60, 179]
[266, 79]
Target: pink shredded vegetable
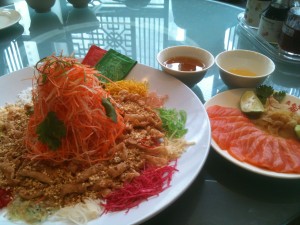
[151, 182]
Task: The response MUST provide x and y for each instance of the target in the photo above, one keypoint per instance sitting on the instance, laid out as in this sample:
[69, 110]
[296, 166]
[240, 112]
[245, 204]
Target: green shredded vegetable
[173, 122]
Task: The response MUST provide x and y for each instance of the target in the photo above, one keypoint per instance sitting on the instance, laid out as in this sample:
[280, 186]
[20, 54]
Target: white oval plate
[231, 98]
[8, 18]
[188, 165]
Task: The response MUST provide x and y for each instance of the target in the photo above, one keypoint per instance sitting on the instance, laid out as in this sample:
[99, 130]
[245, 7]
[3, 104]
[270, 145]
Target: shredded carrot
[151, 182]
[73, 92]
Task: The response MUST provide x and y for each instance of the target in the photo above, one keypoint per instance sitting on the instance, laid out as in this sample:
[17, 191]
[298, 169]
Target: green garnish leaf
[173, 122]
[279, 96]
[263, 92]
[109, 109]
[51, 130]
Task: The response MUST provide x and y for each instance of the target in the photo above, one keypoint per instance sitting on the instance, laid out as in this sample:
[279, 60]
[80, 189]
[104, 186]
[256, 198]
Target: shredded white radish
[80, 213]
[25, 96]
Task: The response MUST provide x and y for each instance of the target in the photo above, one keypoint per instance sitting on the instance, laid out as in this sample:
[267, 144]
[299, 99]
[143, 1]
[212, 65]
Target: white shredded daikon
[177, 146]
[81, 213]
[25, 96]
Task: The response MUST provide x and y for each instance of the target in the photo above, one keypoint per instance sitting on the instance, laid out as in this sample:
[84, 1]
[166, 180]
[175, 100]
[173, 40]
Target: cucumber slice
[250, 103]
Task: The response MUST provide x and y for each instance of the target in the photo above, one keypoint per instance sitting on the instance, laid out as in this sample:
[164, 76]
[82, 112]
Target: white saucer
[8, 18]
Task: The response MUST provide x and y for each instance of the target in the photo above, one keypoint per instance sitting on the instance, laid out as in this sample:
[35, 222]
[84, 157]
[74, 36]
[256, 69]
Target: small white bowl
[239, 59]
[190, 78]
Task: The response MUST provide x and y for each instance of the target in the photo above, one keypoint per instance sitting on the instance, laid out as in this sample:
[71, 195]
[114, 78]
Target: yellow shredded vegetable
[131, 86]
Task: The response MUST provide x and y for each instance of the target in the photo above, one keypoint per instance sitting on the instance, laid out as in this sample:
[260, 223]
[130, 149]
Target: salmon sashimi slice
[226, 126]
[279, 162]
[266, 151]
[219, 111]
[241, 147]
[220, 122]
[291, 150]
[224, 138]
[264, 155]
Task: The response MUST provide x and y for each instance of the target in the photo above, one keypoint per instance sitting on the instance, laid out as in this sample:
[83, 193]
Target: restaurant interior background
[110, 24]
[99, 26]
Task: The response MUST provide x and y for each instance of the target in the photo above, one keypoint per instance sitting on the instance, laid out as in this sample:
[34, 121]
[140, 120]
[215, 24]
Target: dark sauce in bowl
[183, 63]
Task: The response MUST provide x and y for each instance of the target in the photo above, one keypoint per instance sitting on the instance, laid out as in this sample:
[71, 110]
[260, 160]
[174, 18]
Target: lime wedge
[297, 130]
[250, 103]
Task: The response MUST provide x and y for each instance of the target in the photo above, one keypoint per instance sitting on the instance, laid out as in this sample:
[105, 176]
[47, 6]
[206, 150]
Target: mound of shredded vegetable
[73, 116]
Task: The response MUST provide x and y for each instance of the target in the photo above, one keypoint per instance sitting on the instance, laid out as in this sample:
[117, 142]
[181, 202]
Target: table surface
[222, 193]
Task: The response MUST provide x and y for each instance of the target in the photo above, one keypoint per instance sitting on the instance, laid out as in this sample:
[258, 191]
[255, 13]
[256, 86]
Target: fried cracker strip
[27, 195]
[7, 169]
[86, 174]
[44, 178]
[72, 188]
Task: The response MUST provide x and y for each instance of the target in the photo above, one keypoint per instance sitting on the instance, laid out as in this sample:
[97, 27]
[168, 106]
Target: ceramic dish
[242, 68]
[188, 165]
[189, 75]
[231, 98]
[8, 18]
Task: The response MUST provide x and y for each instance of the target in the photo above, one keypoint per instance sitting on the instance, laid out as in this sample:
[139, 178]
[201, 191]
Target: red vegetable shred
[5, 198]
[151, 182]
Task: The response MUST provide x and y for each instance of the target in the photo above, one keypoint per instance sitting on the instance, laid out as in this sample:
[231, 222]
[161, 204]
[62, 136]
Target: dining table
[222, 193]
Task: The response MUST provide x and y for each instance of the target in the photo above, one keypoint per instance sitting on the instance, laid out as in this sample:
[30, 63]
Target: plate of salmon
[250, 142]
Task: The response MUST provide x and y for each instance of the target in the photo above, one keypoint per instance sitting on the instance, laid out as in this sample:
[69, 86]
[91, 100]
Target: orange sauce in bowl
[242, 72]
[183, 63]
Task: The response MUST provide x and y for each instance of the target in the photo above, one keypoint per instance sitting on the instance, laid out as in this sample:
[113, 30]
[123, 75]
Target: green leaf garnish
[263, 92]
[51, 130]
[279, 96]
[109, 109]
[173, 122]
